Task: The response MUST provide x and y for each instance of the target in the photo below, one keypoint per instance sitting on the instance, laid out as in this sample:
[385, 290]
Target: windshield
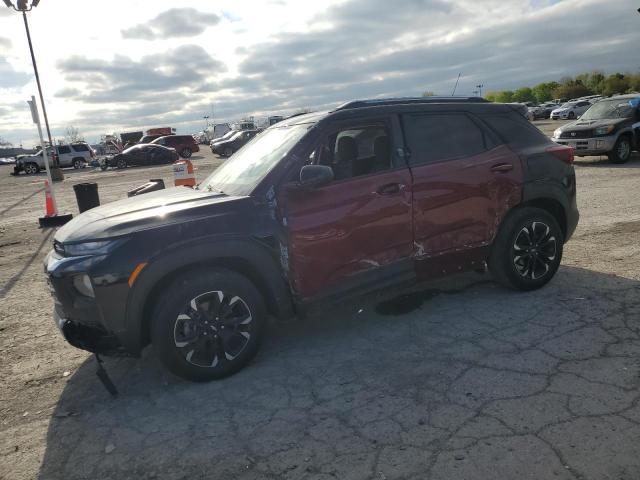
[246, 168]
[225, 136]
[609, 109]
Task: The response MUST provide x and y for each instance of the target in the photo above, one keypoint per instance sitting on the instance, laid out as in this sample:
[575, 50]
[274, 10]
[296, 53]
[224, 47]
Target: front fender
[205, 252]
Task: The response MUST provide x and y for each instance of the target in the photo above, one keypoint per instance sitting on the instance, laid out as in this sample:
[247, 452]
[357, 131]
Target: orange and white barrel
[183, 174]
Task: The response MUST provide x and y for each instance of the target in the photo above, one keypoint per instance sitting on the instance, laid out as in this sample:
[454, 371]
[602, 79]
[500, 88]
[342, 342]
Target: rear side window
[443, 136]
[62, 149]
[80, 148]
[515, 130]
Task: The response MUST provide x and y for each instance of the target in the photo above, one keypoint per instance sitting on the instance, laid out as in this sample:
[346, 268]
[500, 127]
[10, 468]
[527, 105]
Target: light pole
[479, 87]
[24, 7]
[206, 118]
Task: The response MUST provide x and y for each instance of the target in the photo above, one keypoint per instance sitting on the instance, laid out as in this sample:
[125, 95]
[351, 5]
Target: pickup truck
[75, 155]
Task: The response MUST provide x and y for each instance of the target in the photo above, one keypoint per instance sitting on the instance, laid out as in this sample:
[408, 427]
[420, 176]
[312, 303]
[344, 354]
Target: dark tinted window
[80, 147]
[356, 151]
[63, 149]
[515, 130]
[432, 138]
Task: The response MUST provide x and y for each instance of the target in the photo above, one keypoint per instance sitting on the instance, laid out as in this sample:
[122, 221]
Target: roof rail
[375, 102]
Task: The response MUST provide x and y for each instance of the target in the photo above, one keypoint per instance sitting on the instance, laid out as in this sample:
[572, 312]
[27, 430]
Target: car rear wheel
[121, 163]
[77, 164]
[621, 152]
[186, 153]
[208, 324]
[528, 249]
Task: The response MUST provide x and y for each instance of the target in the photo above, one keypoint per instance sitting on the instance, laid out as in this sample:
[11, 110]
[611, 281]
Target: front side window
[355, 151]
[442, 136]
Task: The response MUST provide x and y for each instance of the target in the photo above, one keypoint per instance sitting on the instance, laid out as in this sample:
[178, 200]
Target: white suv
[75, 155]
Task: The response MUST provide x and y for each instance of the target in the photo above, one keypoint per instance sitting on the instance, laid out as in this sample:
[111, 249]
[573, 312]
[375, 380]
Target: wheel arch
[552, 206]
[247, 258]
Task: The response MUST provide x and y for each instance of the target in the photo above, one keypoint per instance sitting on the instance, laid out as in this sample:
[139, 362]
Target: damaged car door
[353, 233]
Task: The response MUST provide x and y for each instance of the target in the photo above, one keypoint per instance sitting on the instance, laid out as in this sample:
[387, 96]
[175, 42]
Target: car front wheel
[528, 249]
[208, 324]
[621, 152]
[121, 163]
[228, 152]
[31, 168]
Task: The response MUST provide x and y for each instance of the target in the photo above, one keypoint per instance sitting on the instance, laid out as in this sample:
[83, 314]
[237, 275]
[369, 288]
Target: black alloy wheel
[121, 163]
[534, 250]
[527, 250]
[228, 152]
[208, 324]
[213, 329]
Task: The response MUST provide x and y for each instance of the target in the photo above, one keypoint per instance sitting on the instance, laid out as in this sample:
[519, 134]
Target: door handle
[502, 167]
[389, 189]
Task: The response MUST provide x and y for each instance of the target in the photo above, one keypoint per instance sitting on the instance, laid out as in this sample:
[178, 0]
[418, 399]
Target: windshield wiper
[211, 189]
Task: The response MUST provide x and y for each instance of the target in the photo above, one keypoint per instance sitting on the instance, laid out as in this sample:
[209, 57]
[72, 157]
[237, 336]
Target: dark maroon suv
[185, 145]
[319, 206]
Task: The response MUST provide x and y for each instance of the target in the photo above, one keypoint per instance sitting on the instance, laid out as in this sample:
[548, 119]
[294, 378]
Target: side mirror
[314, 176]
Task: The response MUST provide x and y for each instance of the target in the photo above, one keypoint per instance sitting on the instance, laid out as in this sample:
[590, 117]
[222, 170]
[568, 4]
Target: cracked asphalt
[455, 379]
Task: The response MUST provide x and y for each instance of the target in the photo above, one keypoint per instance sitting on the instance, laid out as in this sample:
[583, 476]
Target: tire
[31, 168]
[121, 163]
[520, 264]
[228, 152]
[621, 152]
[104, 165]
[187, 332]
[571, 116]
[77, 164]
[186, 153]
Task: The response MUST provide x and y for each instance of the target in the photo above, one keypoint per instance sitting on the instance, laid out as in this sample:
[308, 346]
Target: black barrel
[151, 186]
[87, 196]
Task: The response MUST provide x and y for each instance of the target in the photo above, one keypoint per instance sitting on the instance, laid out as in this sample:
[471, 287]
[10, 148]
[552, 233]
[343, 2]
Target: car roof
[359, 108]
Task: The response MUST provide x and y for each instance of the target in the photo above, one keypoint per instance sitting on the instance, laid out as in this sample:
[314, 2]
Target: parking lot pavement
[458, 378]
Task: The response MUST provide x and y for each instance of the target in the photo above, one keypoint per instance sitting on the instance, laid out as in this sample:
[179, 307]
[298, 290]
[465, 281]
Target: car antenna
[456, 86]
[104, 378]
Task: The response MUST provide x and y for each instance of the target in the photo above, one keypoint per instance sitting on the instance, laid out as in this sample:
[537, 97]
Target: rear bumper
[588, 146]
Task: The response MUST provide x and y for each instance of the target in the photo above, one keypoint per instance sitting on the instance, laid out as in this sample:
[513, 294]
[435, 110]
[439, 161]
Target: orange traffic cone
[49, 206]
[51, 218]
[183, 174]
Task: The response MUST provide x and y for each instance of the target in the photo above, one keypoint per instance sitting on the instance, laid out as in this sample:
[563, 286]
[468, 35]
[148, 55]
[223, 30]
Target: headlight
[82, 283]
[607, 129]
[90, 248]
[557, 132]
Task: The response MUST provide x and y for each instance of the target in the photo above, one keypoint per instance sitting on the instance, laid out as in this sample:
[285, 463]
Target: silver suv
[610, 127]
[75, 155]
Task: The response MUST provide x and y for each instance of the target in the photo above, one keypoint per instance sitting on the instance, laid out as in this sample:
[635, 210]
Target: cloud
[10, 78]
[173, 23]
[5, 43]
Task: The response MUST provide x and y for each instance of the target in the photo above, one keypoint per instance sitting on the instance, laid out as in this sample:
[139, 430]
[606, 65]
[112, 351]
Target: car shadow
[160, 425]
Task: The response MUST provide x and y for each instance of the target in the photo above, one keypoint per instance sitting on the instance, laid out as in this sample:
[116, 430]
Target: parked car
[149, 138]
[318, 207]
[75, 155]
[570, 110]
[185, 145]
[234, 143]
[226, 136]
[140, 155]
[610, 127]
[543, 110]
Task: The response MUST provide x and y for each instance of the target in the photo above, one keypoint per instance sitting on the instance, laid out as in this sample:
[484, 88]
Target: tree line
[594, 83]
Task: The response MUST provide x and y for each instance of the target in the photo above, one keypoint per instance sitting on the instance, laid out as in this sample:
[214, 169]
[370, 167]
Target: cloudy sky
[122, 65]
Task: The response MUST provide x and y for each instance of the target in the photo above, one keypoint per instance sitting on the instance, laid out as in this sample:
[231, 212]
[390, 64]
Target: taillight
[562, 152]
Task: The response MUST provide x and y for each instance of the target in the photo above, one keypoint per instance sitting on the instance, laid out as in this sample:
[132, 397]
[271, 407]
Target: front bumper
[588, 146]
[84, 322]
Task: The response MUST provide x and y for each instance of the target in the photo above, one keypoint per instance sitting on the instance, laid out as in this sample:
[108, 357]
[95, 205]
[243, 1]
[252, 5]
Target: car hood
[560, 110]
[143, 212]
[590, 124]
